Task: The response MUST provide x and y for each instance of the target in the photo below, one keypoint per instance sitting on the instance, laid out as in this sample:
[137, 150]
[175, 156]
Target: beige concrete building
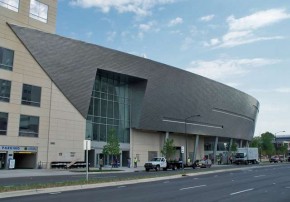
[56, 92]
[43, 127]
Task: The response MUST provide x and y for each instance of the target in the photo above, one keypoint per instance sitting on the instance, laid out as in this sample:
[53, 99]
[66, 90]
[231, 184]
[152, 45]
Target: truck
[158, 163]
[246, 155]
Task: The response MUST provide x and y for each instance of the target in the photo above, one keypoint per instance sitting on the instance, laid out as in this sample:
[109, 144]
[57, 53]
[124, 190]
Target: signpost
[87, 147]
[182, 152]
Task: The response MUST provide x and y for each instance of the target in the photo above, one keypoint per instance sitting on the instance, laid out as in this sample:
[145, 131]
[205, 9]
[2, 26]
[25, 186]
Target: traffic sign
[182, 149]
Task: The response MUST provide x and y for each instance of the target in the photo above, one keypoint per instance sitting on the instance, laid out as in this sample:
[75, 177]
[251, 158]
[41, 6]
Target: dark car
[288, 158]
[275, 159]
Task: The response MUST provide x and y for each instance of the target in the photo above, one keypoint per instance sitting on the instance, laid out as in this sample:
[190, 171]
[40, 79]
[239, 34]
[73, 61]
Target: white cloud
[139, 7]
[147, 27]
[283, 90]
[207, 18]
[257, 20]
[223, 68]
[243, 30]
[175, 21]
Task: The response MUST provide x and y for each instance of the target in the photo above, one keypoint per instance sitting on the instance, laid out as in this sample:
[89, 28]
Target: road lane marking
[241, 191]
[260, 176]
[121, 187]
[53, 193]
[192, 187]
[166, 182]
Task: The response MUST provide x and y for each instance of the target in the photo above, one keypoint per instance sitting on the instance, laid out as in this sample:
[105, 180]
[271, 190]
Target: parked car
[276, 159]
[202, 164]
[288, 158]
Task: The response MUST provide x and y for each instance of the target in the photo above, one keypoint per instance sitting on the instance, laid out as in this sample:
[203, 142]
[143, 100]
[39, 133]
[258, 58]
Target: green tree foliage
[282, 150]
[256, 142]
[267, 145]
[168, 149]
[113, 146]
[234, 147]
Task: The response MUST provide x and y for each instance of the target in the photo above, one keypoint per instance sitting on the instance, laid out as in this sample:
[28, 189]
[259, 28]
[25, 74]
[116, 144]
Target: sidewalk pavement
[54, 172]
[13, 173]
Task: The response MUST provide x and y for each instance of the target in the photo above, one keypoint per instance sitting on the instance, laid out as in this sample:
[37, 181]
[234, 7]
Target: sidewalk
[55, 172]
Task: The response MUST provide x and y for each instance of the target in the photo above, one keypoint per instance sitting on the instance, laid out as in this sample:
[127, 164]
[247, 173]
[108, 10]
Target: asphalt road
[17, 181]
[252, 185]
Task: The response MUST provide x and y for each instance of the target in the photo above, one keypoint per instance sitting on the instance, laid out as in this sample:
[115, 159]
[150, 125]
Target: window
[31, 95]
[109, 108]
[3, 123]
[38, 11]
[5, 87]
[28, 126]
[6, 58]
[10, 4]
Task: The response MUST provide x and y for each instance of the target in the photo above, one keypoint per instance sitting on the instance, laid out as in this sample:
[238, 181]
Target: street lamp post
[185, 121]
[275, 134]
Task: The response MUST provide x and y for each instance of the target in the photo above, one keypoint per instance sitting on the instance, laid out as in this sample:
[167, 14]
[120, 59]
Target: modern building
[55, 92]
[281, 140]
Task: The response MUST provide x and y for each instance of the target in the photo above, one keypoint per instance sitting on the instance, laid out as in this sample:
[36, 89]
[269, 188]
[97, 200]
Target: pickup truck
[160, 162]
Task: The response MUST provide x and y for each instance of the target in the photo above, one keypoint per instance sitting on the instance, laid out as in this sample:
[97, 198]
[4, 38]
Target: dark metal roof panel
[169, 96]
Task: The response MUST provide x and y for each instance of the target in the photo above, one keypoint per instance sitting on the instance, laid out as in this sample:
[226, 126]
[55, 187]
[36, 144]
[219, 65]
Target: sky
[241, 43]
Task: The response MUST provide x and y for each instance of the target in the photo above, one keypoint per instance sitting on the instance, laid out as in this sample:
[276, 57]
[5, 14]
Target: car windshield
[239, 155]
[156, 159]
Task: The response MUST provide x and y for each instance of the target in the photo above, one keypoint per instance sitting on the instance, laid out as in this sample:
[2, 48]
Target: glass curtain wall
[109, 108]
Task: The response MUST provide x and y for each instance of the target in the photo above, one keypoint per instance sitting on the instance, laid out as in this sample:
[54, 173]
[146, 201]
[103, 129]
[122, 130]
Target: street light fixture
[185, 121]
[275, 134]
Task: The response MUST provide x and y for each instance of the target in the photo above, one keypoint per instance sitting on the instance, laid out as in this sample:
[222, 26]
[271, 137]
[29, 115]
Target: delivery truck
[246, 155]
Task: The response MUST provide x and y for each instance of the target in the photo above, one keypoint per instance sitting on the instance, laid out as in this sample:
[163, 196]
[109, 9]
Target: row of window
[30, 94]
[28, 125]
[37, 9]
[109, 108]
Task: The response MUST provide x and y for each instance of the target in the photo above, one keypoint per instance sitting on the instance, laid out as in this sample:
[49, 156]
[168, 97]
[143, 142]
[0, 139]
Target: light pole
[275, 134]
[185, 121]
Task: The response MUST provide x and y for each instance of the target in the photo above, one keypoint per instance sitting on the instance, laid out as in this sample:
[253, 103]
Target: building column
[231, 143]
[166, 135]
[215, 149]
[247, 143]
[241, 143]
[195, 147]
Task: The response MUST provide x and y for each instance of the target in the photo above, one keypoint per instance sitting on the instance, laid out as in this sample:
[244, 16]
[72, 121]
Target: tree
[267, 145]
[234, 147]
[168, 149]
[112, 147]
[282, 150]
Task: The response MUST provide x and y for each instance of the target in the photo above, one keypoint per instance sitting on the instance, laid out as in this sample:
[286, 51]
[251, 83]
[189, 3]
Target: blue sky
[241, 43]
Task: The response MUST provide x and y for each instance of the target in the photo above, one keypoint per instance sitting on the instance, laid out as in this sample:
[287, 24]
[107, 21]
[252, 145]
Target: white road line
[166, 182]
[241, 191]
[260, 176]
[192, 187]
[121, 187]
[53, 193]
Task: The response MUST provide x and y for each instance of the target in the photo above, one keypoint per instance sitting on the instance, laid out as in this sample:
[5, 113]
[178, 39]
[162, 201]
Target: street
[252, 185]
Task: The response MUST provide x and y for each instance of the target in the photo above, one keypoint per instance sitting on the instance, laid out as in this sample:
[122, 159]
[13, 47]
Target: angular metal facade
[162, 96]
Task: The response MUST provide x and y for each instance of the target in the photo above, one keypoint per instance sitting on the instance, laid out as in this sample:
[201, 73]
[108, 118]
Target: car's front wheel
[157, 168]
